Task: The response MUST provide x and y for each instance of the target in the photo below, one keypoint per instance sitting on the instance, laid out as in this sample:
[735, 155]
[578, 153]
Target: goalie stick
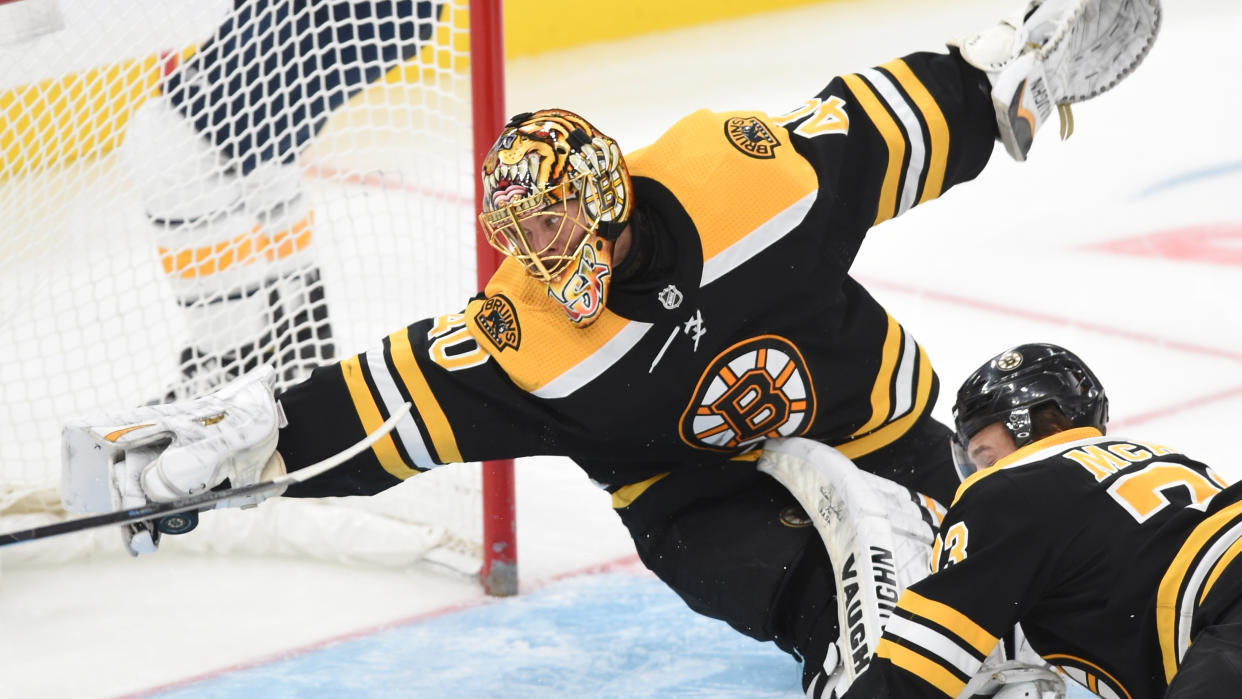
[181, 515]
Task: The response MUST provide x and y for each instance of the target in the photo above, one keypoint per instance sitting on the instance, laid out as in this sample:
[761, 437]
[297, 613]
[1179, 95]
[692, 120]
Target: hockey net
[91, 314]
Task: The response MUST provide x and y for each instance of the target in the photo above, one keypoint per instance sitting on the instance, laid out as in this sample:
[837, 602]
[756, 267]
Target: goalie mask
[1015, 382]
[556, 194]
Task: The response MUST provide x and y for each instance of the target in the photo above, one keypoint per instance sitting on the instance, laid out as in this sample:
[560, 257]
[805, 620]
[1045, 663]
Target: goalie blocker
[162, 453]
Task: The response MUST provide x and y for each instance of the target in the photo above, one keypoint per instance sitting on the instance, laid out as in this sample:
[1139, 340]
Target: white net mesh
[190, 187]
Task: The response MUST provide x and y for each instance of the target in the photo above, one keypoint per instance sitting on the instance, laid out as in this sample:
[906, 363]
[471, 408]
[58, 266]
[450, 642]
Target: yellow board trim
[883, 388]
[892, 431]
[895, 143]
[369, 415]
[924, 668]
[1170, 585]
[61, 119]
[528, 30]
[937, 127]
[627, 494]
[108, 94]
[957, 623]
[425, 402]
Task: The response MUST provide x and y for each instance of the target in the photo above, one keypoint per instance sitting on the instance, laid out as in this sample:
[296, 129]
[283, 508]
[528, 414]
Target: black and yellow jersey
[1112, 553]
[743, 325]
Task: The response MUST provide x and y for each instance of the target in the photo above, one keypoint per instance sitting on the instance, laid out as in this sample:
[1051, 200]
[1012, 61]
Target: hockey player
[1118, 556]
[665, 313]
[217, 156]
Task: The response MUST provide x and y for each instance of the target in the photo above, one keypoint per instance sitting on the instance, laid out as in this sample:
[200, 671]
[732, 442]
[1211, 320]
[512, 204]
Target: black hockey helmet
[1014, 382]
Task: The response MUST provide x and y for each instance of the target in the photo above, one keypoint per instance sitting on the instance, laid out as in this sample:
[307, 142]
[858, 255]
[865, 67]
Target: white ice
[1004, 260]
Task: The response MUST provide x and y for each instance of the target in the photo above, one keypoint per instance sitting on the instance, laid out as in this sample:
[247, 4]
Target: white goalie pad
[877, 533]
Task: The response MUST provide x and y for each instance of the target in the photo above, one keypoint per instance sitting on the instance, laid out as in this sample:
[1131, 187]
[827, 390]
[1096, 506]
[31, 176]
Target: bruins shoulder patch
[498, 320]
[751, 136]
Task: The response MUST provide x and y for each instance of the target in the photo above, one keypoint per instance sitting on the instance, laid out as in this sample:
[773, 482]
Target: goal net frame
[31, 20]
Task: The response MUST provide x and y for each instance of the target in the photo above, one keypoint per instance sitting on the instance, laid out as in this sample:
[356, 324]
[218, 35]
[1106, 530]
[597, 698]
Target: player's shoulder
[734, 174]
[529, 337]
[1039, 466]
[705, 141]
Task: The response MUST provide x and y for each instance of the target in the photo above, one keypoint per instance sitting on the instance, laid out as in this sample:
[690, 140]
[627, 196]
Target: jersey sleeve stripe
[1219, 567]
[595, 364]
[889, 433]
[406, 430]
[385, 449]
[931, 672]
[1175, 598]
[914, 136]
[883, 388]
[903, 385]
[893, 141]
[438, 427]
[950, 619]
[937, 127]
[933, 643]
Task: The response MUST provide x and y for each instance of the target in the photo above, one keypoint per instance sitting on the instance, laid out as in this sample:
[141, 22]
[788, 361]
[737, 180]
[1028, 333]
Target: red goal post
[487, 84]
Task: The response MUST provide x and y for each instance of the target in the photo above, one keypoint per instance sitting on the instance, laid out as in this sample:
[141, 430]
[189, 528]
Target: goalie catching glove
[1058, 52]
[160, 453]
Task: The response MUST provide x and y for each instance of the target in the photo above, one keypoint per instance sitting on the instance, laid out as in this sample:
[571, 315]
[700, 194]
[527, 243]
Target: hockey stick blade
[203, 501]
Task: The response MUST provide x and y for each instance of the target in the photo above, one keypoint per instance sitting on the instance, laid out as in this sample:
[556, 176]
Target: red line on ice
[1011, 311]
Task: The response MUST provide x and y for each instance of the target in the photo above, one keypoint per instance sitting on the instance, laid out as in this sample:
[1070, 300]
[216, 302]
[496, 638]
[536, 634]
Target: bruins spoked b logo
[757, 389]
[751, 136]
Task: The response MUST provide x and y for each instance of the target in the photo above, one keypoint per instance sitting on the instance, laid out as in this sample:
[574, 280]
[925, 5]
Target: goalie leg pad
[877, 535]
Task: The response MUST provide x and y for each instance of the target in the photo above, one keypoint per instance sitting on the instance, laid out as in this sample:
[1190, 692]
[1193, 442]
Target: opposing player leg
[217, 156]
[236, 251]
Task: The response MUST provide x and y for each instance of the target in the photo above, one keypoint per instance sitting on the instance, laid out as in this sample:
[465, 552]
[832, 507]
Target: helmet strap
[1019, 426]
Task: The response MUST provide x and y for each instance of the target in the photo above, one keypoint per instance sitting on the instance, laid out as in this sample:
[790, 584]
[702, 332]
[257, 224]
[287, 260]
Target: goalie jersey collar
[670, 276]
